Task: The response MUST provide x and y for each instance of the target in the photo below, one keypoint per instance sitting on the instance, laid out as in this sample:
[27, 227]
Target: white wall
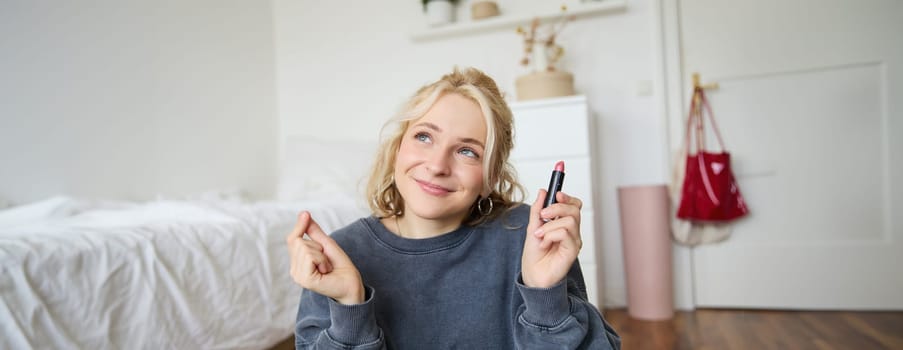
[132, 99]
[343, 68]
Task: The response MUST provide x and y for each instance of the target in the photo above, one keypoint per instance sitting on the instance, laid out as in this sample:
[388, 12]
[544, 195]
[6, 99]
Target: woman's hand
[551, 247]
[320, 265]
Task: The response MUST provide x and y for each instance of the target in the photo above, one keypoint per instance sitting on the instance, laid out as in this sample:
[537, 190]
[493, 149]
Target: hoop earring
[480, 206]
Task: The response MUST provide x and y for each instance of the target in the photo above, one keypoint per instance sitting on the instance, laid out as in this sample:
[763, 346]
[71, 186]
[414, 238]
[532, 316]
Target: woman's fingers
[319, 260]
[336, 255]
[313, 245]
[566, 215]
[562, 237]
[316, 233]
[307, 256]
[565, 198]
[319, 240]
[308, 261]
[567, 206]
[300, 266]
[319, 264]
[300, 227]
[553, 245]
[316, 249]
[559, 231]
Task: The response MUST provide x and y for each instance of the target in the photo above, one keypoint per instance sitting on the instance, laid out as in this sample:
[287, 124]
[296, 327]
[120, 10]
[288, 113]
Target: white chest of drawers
[550, 130]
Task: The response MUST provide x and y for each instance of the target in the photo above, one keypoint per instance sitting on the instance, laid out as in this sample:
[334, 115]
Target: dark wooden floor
[748, 329]
[287, 344]
[753, 329]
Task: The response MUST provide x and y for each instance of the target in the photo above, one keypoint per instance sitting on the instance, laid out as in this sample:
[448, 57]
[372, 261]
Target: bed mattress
[167, 274]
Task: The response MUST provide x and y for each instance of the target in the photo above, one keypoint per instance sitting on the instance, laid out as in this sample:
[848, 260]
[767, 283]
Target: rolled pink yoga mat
[647, 251]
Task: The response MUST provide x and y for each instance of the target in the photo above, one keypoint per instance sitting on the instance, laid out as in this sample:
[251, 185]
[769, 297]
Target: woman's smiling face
[439, 165]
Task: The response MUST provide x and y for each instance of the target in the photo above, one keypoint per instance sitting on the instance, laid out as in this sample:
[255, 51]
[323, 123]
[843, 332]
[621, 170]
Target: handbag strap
[695, 118]
[698, 106]
[691, 123]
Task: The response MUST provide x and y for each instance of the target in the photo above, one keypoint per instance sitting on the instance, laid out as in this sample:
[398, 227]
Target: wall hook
[696, 83]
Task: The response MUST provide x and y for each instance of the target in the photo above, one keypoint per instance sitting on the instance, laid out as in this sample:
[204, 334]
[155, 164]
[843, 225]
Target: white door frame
[670, 95]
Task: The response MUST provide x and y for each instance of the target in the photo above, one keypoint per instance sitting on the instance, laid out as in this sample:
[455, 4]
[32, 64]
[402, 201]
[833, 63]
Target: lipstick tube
[555, 184]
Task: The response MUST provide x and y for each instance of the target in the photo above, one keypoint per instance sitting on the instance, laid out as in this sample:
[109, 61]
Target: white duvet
[204, 274]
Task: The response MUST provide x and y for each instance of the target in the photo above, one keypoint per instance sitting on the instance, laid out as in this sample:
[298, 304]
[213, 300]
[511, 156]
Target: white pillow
[54, 207]
[313, 168]
[216, 196]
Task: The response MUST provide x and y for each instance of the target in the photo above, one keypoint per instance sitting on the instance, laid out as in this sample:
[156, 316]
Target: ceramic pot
[439, 12]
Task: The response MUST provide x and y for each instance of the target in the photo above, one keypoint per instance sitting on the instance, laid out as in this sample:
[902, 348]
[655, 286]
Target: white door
[811, 107]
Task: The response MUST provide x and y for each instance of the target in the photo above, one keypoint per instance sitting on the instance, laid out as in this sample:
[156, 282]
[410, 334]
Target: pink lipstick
[555, 184]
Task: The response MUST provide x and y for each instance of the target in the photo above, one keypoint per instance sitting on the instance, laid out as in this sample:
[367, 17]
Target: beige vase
[539, 85]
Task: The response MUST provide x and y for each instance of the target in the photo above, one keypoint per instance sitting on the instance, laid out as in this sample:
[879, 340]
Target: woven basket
[538, 85]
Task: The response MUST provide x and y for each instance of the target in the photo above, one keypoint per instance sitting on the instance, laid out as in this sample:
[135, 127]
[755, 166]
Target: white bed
[188, 274]
[209, 272]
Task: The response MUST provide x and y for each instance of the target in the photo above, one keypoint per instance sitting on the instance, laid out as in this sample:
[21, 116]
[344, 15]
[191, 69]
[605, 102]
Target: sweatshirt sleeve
[324, 323]
[560, 317]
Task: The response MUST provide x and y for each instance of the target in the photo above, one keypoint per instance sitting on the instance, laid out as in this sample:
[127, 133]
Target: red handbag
[710, 192]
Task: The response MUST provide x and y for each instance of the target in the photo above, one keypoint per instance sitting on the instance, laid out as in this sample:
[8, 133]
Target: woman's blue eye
[422, 137]
[467, 152]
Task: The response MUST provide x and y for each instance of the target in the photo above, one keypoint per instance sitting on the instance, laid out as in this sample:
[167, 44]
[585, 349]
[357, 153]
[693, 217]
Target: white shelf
[511, 21]
[547, 102]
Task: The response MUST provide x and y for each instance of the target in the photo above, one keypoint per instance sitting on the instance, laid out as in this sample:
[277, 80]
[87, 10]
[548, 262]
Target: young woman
[449, 258]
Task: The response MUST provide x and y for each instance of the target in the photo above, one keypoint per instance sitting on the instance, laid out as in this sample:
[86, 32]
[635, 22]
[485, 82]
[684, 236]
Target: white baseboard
[616, 298]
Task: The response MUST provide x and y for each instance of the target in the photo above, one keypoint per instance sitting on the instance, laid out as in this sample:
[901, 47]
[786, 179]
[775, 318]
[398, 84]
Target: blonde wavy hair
[498, 174]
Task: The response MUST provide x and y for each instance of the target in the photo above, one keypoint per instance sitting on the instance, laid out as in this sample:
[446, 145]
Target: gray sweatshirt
[460, 290]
